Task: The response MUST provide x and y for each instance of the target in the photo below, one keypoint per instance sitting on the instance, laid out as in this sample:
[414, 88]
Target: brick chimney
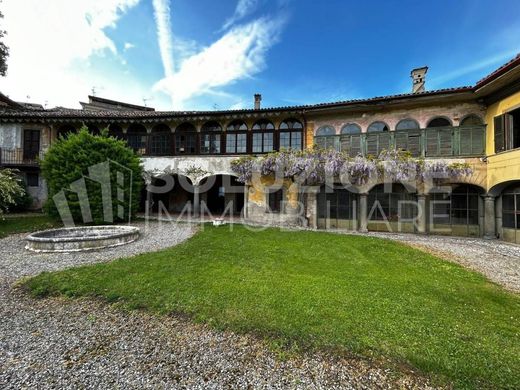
[258, 99]
[419, 79]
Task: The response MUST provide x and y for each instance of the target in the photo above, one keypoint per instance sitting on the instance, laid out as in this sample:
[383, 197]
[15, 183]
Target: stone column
[312, 206]
[489, 217]
[246, 200]
[196, 200]
[421, 209]
[363, 213]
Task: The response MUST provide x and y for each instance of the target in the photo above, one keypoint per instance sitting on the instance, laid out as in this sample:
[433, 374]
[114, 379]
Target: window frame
[236, 128]
[287, 126]
[213, 131]
[263, 128]
[189, 131]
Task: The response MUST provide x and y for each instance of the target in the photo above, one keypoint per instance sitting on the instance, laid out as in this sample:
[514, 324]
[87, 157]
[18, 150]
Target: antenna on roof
[93, 91]
[28, 98]
[215, 106]
[145, 100]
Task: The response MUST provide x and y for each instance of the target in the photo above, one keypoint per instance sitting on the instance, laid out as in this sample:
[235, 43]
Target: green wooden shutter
[432, 142]
[499, 133]
[471, 141]
[372, 147]
[446, 142]
[409, 140]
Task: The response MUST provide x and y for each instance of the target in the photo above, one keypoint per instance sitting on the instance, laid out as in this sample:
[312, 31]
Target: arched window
[350, 139]
[326, 137]
[291, 134]
[377, 127]
[394, 209]
[185, 139]
[160, 140]
[137, 138]
[350, 129]
[263, 136]
[116, 131]
[93, 129]
[236, 137]
[439, 122]
[64, 130]
[471, 120]
[408, 136]
[407, 124]
[210, 138]
[377, 139]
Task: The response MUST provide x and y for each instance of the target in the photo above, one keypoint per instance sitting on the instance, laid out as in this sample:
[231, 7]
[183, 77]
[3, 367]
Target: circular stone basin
[81, 238]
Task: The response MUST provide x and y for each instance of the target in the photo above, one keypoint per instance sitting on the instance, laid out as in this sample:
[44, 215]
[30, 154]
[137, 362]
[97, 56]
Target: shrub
[11, 189]
[69, 159]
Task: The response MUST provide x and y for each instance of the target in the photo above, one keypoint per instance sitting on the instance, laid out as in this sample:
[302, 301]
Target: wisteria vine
[315, 166]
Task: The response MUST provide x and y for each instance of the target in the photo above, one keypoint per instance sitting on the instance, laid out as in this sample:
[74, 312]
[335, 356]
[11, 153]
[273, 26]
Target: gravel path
[498, 260]
[59, 343]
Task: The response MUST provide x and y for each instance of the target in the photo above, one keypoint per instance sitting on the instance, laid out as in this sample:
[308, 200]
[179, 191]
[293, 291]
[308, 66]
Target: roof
[96, 102]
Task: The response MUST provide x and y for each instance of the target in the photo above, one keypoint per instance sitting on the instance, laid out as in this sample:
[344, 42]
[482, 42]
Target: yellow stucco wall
[309, 135]
[257, 191]
[504, 166]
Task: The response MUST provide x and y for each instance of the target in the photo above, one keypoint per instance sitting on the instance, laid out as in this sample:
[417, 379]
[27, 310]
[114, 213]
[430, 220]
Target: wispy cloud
[164, 33]
[54, 64]
[128, 46]
[237, 55]
[479, 65]
[243, 8]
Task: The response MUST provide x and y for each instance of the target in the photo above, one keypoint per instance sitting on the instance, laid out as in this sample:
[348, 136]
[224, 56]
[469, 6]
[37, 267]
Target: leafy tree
[70, 160]
[11, 189]
[4, 51]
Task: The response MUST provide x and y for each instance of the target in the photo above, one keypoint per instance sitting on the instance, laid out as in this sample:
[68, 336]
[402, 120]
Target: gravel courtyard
[87, 344]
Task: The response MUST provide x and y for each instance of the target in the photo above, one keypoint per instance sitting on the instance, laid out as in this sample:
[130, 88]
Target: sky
[215, 55]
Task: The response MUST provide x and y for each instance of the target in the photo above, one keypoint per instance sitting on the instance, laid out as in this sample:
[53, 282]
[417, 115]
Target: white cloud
[243, 8]
[164, 33]
[128, 46]
[54, 46]
[237, 55]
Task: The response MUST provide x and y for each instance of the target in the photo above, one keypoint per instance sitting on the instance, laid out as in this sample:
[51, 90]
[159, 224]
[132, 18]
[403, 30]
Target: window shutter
[499, 133]
[445, 140]
[432, 142]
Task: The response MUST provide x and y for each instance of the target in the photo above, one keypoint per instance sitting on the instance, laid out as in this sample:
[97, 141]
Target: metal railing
[13, 157]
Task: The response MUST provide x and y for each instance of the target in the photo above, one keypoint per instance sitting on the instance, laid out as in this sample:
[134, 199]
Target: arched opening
[326, 137]
[263, 140]
[408, 136]
[337, 208]
[457, 212]
[171, 193]
[378, 138]
[350, 139]
[116, 131]
[392, 208]
[160, 140]
[471, 120]
[211, 138]
[137, 138]
[439, 138]
[236, 137]
[65, 129]
[291, 134]
[221, 194]
[185, 139]
[93, 129]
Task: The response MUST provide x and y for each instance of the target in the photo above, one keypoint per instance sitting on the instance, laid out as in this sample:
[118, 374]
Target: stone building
[187, 155]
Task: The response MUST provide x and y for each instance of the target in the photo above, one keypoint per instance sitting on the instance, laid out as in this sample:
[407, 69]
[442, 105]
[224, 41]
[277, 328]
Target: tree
[11, 189]
[4, 51]
[69, 165]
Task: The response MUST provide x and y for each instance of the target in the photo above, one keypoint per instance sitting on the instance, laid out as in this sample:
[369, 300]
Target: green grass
[23, 224]
[350, 294]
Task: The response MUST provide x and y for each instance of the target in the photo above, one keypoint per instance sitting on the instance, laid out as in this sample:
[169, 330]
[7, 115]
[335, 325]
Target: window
[210, 138]
[511, 208]
[407, 124]
[391, 206]
[160, 140]
[32, 179]
[377, 127]
[137, 138]
[439, 122]
[275, 200]
[116, 131]
[326, 137]
[350, 139]
[507, 131]
[377, 139]
[186, 139]
[263, 137]
[236, 138]
[471, 120]
[291, 134]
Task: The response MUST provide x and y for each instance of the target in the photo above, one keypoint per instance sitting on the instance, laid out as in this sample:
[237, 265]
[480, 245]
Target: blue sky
[206, 54]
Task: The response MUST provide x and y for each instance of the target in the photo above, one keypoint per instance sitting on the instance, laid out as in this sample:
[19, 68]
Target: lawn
[23, 224]
[350, 294]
